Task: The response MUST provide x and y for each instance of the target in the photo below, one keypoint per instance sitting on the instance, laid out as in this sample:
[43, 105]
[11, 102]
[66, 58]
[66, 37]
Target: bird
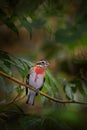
[36, 78]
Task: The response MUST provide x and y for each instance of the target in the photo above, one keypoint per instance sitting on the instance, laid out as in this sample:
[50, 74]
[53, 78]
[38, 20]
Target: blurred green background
[44, 29]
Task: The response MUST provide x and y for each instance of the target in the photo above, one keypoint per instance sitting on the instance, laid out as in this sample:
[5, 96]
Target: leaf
[7, 61]
[11, 25]
[5, 68]
[84, 86]
[68, 91]
[2, 83]
[51, 85]
[26, 25]
[48, 27]
[27, 62]
[49, 89]
[68, 88]
[52, 79]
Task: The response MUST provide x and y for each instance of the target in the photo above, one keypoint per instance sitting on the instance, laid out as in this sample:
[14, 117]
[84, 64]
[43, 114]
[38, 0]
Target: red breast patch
[38, 70]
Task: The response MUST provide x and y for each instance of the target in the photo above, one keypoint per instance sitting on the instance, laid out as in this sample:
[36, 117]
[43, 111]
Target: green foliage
[15, 118]
[11, 25]
[7, 61]
[5, 19]
[10, 63]
[68, 88]
[71, 35]
[30, 26]
[20, 7]
[70, 32]
[11, 12]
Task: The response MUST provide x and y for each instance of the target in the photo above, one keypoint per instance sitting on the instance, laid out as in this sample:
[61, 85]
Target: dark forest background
[55, 30]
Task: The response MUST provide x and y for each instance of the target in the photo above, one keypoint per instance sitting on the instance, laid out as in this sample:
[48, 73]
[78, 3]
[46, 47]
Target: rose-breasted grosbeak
[36, 78]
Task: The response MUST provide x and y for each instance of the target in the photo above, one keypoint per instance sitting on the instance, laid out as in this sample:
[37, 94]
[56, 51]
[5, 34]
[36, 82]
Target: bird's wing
[27, 78]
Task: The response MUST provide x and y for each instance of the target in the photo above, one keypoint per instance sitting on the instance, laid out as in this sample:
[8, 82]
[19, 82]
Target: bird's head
[43, 63]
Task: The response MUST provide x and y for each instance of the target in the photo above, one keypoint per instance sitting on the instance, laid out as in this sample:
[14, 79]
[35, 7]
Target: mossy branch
[42, 93]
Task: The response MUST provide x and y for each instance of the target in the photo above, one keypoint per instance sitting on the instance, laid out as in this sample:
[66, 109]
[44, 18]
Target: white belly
[36, 83]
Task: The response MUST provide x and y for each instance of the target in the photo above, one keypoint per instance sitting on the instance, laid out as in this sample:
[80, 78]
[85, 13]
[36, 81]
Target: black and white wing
[27, 79]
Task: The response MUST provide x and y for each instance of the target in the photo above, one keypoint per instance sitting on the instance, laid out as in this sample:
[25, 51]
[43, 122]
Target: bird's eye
[42, 62]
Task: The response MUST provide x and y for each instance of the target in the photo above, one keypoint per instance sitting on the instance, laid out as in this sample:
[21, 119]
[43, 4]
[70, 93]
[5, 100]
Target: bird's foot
[37, 91]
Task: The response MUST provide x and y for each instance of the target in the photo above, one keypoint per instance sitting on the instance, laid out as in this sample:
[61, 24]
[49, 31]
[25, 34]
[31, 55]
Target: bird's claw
[37, 91]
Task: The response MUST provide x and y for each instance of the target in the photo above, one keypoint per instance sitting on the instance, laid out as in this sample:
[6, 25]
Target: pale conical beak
[47, 64]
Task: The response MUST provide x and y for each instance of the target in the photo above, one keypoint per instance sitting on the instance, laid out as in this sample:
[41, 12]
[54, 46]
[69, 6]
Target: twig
[16, 98]
[44, 94]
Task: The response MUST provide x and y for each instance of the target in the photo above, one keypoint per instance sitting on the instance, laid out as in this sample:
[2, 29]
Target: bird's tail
[31, 97]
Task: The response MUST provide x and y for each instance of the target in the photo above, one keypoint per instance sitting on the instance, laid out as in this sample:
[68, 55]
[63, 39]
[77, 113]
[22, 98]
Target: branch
[41, 93]
[16, 98]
